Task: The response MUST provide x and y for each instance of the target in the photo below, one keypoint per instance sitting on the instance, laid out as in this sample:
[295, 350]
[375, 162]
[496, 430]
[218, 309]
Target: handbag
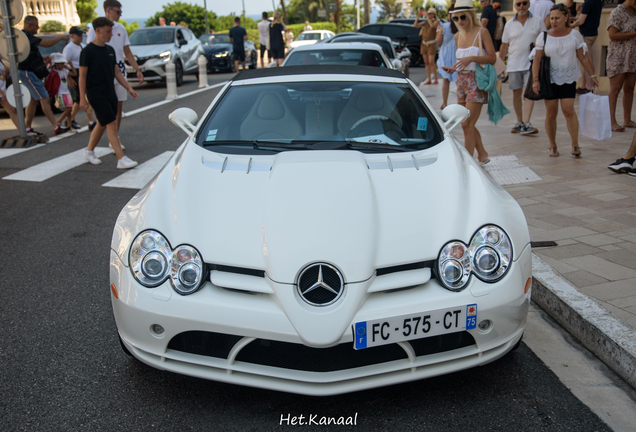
[595, 119]
[545, 90]
[499, 65]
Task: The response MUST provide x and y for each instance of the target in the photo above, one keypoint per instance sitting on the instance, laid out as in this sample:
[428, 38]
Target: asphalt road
[62, 369]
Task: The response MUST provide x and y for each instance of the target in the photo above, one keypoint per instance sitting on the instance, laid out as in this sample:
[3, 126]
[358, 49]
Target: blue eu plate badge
[361, 335]
[471, 316]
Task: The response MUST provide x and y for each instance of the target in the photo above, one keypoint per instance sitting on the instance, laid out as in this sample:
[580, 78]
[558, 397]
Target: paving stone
[602, 225]
[610, 248]
[609, 196]
[575, 211]
[621, 257]
[526, 192]
[629, 238]
[563, 233]
[557, 265]
[537, 223]
[581, 278]
[598, 240]
[562, 220]
[579, 200]
[566, 242]
[627, 246]
[623, 218]
[626, 316]
[624, 302]
[601, 267]
[526, 201]
[569, 251]
[591, 187]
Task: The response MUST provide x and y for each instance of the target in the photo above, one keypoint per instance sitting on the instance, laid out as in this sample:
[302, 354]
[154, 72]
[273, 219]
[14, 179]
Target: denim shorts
[34, 84]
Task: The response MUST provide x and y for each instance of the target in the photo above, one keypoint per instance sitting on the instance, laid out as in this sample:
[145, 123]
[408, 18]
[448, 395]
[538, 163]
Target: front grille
[287, 355]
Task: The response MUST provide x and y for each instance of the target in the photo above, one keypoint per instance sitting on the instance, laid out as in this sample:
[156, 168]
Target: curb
[608, 337]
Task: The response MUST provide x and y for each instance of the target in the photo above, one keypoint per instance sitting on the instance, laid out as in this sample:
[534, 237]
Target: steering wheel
[369, 118]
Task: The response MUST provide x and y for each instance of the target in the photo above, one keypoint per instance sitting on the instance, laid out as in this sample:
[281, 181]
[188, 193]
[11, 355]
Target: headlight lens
[150, 256]
[223, 54]
[491, 251]
[165, 56]
[488, 257]
[186, 272]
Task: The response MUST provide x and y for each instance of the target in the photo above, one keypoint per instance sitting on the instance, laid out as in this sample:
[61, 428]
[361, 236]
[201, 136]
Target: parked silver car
[154, 47]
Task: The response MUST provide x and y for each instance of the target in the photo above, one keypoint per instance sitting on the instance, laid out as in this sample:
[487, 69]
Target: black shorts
[263, 50]
[239, 55]
[277, 53]
[74, 94]
[105, 108]
[565, 91]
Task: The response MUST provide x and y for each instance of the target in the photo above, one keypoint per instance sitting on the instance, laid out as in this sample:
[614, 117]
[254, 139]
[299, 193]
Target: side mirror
[182, 42]
[404, 54]
[453, 115]
[185, 118]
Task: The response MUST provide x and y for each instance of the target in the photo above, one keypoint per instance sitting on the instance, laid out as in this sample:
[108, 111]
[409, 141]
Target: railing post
[171, 82]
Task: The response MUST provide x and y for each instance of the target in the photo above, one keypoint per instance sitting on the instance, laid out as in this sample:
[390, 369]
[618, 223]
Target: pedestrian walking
[446, 40]
[626, 163]
[4, 73]
[501, 24]
[428, 31]
[263, 39]
[564, 46]
[541, 8]
[621, 61]
[238, 36]
[65, 70]
[470, 52]
[98, 72]
[276, 42]
[72, 53]
[518, 38]
[32, 70]
[488, 18]
[588, 23]
[120, 43]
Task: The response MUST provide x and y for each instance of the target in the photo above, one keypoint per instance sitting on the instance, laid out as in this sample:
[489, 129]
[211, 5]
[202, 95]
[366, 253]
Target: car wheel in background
[253, 61]
[178, 70]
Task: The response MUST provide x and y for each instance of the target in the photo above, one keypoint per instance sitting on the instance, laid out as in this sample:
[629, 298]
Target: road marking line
[139, 176]
[11, 151]
[53, 167]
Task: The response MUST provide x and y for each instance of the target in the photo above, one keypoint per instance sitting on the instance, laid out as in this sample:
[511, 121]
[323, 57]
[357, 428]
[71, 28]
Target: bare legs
[445, 90]
[111, 131]
[625, 82]
[433, 69]
[10, 110]
[472, 137]
[552, 109]
[632, 149]
[46, 108]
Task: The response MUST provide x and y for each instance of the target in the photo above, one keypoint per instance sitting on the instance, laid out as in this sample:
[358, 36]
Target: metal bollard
[171, 82]
[203, 71]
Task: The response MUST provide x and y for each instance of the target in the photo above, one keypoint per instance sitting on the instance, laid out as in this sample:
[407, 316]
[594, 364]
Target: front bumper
[154, 69]
[237, 332]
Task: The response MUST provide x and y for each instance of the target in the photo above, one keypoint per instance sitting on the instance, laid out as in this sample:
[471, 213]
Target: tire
[178, 71]
[123, 347]
[254, 60]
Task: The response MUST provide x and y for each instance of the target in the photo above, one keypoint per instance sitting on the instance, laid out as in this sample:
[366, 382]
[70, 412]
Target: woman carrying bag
[564, 46]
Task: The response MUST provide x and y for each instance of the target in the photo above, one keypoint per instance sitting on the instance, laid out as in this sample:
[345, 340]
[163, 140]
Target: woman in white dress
[565, 47]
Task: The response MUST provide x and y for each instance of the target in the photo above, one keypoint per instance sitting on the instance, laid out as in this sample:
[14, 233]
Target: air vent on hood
[401, 162]
[238, 164]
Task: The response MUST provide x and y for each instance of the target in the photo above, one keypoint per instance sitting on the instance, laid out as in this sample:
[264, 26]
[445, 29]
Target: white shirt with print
[118, 42]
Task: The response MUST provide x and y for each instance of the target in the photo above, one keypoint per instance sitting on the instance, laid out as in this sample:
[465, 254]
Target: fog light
[157, 329]
[485, 325]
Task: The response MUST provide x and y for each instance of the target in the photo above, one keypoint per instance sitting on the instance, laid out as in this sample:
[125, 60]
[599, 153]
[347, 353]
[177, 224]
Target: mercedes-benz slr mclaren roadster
[319, 232]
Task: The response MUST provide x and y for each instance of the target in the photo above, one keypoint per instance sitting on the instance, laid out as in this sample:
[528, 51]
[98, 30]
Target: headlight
[488, 257]
[150, 256]
[223, 54]
[186, 271]
[491, 252]
[165, 56]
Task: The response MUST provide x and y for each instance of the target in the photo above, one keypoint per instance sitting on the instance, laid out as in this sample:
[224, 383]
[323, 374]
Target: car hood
[217, 48]
[150, 50]
[358, 212]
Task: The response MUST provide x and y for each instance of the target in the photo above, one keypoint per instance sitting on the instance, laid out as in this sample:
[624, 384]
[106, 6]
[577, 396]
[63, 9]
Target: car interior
[336, 57]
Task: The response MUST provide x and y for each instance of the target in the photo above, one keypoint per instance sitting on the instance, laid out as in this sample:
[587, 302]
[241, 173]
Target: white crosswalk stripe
[53, 167]
[6, 152]
[137, 177]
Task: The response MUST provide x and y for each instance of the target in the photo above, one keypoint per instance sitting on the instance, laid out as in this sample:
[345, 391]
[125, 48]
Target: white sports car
[319, 232]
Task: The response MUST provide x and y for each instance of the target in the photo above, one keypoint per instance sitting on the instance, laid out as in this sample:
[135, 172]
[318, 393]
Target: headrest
[369, 101]
[270, 107]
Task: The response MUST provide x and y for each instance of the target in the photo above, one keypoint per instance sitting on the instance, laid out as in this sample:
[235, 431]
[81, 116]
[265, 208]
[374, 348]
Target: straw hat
[462, 6]
[432, 11]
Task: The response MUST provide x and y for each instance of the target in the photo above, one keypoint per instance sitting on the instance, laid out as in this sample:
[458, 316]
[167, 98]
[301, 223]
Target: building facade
[64, 11]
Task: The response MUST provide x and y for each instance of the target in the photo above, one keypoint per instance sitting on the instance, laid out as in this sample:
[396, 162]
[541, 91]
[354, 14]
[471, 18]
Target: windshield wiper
[378, 146]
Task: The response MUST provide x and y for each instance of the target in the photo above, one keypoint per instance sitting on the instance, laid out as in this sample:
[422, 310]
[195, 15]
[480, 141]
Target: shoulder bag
[545, 90]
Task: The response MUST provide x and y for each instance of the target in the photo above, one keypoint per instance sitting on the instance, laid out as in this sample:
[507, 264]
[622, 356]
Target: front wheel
[178, 71]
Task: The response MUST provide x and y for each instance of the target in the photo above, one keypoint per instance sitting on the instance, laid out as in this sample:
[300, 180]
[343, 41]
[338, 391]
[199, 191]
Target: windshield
[352, 57]
[215, 39]
[385, 45]
[152, 37]
[298, 115]
[309, 36]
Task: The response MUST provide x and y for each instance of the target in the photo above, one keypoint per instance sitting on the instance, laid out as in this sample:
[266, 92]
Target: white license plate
[414, 326]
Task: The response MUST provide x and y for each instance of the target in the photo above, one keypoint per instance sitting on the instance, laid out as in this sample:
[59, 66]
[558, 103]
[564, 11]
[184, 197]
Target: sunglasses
[525, 3]
[457, 18]
[118, 12]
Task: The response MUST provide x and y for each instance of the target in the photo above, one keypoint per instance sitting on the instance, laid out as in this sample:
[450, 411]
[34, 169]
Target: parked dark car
[385, 43]
[405, 34]
[220, 53]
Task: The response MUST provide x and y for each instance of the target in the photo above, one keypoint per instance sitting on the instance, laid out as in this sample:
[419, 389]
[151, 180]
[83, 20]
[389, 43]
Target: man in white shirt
[540, 8]
[263, 38]
[518, 36]
[307, 26]
[120, 44]
[71, 53]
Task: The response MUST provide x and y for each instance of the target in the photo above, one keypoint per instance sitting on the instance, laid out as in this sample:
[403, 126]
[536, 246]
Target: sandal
[435, 82]
[576, 151]
[428, 83]
[631, 124]
[554, 152]
[618, 128]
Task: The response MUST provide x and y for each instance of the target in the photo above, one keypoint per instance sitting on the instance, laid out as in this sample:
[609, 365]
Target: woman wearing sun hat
[428, 47]
[474, 46]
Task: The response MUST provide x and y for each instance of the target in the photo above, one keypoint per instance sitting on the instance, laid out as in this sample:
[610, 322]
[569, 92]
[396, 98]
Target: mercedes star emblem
[320, 284]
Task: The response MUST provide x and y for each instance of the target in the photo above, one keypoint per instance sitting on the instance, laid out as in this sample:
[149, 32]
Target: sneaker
[622, 165]
[32, 132]
[59, 129]
[91, 125]
[75, 125]
[631, 171]
[123, 147]
[90, 156]
[126, 163]
[528, 129]
[517, 127]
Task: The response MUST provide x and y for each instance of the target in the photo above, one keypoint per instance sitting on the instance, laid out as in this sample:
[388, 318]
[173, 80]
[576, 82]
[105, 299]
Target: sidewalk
[588, 210]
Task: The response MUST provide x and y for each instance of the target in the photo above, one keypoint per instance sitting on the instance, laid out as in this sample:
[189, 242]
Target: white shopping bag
[595, 119]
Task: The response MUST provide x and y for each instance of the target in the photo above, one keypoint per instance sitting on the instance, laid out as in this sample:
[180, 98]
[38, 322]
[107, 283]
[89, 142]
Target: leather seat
[270, 118]
[366, 101]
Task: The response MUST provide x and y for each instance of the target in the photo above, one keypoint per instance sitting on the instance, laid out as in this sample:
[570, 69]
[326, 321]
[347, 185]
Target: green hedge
[252, 34]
